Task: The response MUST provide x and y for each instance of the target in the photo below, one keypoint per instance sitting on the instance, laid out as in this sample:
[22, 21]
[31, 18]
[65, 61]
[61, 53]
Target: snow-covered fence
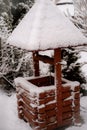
[37, 102]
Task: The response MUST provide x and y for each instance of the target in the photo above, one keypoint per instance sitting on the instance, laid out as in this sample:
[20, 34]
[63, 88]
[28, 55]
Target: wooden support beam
[58, 84]
[36, 64]
[45, 59]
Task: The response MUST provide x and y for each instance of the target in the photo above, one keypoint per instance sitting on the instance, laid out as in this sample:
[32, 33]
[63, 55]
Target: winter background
[15, 62]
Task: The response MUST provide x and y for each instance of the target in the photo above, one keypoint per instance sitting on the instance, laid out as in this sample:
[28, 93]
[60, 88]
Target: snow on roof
[67, 9]
[63, 1]
[45, 27]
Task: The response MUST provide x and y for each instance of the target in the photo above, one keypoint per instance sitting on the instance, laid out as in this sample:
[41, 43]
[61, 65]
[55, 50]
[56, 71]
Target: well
[47, 102]
[37, 102]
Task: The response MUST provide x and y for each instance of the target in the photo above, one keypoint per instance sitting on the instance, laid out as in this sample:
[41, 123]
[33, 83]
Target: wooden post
[58, 84]
[36, 64]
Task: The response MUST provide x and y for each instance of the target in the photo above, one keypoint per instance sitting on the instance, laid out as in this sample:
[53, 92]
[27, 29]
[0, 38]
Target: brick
[30, 108]
[48, 99]
[52, 126]
[50, 106]
[41, 95]
[29, 114]
[42, 101]
[77, 101]
[51, 113]
[67, 102]
[42, 124]
[50, 92]
[77, 88]
[76, 108]
[66, 89]
[67, 109]
[51, 120]
[67, 122]
[67, 115]
[41, 110]
[77, 95]
[42, 116]
[66, 95]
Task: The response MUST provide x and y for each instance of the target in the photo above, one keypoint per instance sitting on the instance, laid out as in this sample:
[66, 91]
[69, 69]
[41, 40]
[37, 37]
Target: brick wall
[39, 106]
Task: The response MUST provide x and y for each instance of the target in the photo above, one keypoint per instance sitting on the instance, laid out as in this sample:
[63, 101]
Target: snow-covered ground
[10, 121]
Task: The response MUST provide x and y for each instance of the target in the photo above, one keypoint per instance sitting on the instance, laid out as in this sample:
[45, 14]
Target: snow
[45, 27]
[9, 119]
[83, 60]
[67, 9]
[8, 114]
[62, 1]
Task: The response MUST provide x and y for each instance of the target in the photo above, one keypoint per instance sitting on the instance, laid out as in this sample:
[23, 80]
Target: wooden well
[48, 102]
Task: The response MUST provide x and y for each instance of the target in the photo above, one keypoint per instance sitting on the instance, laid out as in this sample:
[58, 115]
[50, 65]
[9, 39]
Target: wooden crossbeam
[45, 59]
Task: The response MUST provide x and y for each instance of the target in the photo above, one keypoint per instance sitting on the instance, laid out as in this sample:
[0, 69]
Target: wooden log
[41, 109]
[50, 106]
[42, 124]
[76, 108]
[77, 101]
[67, 122]
[29, 118]
[42, 117]
[66, 95]
[77, 88]
[67, 115]
[42, 101]
[51, 113]
[77, 95]
[67, 103]
[45, 59]
[52, 126]
[66, 89]
[30, 108]
[67, 109]
[49, 99]
[58, 83]
[51, 120]
[29, 114]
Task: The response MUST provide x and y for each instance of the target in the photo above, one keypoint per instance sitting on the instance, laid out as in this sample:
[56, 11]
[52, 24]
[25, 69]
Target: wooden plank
[45, 59]
[77, 95]
[52, 126]
[67, 115]
[66, 95]
[50, 106]
[67, 122]
[77, 101]
[29, 118]
[51, 113]
[67, 109]
[67, 102]
[66, 89]
[30, 114]
[58, 83]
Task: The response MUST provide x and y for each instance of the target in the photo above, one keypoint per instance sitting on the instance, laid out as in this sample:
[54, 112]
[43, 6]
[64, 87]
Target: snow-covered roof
[63, 1]
[67, 8]
[45, 27]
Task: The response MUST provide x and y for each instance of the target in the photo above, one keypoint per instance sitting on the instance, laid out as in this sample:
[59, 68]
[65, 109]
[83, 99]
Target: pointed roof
[45, 27]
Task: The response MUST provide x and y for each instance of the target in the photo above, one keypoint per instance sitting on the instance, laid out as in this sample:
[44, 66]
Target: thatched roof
[45, 27]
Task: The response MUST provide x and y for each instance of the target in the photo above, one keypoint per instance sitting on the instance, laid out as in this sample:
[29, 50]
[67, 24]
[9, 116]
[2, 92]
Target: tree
[72, 70]
[80, 15]
[14, 61]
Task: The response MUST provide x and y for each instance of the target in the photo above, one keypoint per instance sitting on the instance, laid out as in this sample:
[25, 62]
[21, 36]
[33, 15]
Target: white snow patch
[8, 114]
